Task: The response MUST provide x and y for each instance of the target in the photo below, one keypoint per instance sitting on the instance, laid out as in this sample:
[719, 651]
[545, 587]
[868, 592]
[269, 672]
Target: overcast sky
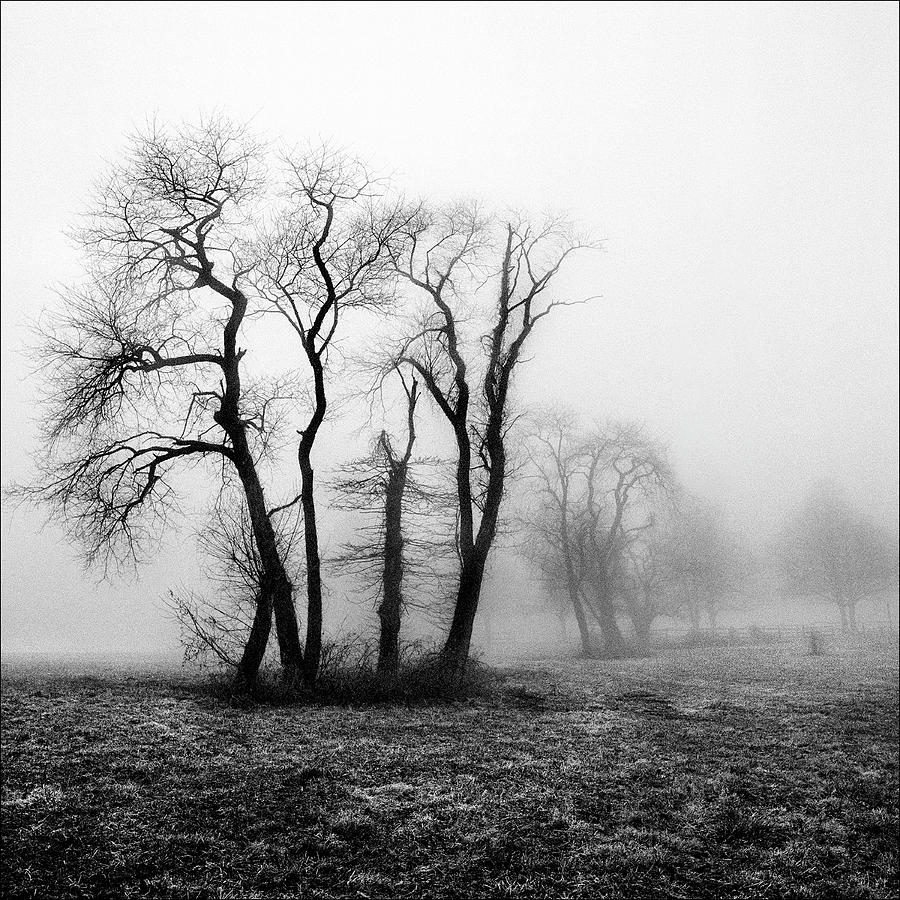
[740, 162]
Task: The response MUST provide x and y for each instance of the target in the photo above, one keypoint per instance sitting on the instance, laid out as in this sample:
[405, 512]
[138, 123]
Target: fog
[739, 163]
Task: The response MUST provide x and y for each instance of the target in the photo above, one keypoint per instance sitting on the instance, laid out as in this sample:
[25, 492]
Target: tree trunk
[641, 618]
[313, 649]
[641, 621]
[389, 640]
[390, 610]
[286, 630]
[455, 653]
[255, 648]
[475, 552]
[276, 591]
[604, 611]
[587, 642]
[613, 642]
[851, 615]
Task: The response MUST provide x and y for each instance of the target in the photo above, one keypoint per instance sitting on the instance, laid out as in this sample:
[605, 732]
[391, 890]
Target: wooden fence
[771, 634]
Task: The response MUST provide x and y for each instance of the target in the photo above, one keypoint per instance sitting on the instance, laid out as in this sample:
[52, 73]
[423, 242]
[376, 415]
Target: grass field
[706, 773]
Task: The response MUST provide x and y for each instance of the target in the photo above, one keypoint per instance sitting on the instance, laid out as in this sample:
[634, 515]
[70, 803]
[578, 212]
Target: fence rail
[774, 633]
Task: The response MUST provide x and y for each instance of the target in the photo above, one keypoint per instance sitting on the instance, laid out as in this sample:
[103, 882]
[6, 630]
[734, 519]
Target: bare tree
[439, 258]
[832, 550]
[643, 582]
[143, 368]
[550, 522]
[397, 470]
[400, 551]
[595, 502]
[703, 569]
[327, 253]
[624, 470]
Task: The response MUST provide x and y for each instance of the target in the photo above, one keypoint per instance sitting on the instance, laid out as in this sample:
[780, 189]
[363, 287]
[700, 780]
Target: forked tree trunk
[514, 322]
[613, 642]
[276, 592]
[604, 611]
[455, 653]
[255, 648]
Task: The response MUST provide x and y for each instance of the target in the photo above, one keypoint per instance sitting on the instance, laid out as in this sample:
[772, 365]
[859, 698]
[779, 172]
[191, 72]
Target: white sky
[740, 160]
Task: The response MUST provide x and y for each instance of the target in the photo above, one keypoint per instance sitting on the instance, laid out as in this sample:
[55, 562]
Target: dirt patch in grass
[748, 772]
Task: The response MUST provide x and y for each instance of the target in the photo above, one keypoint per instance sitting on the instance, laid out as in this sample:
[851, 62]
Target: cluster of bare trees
[159, 364]
[610, 531]
[616, 540]
[207, 342]
[596, 492]
[833, 551]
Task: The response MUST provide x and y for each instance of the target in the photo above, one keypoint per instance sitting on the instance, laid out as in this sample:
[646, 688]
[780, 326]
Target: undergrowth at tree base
[346, 679]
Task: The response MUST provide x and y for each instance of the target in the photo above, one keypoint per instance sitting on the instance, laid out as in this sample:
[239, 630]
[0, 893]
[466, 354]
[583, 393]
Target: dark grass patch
[706, 773]
[348, 677]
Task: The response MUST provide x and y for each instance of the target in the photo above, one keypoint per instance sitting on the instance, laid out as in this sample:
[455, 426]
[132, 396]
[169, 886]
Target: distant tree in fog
[834, 551]
[595, 499]
[550, 519]
[470, 376]
[701, 561]
[625, 473]
[644, 582]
